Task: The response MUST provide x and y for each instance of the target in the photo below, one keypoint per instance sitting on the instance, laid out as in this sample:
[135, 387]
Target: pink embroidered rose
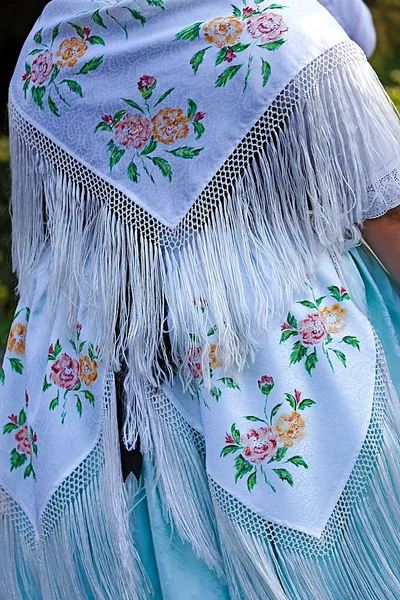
[65, 372]
[266, 27]
[312, 330]
[22, 437]
[266, 385]
[133, 131]
[195, 362]
[42, 67]
[259, 444]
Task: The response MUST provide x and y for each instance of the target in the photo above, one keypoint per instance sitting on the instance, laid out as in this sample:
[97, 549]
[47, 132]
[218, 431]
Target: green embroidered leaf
[351, 340]
[27, 313]
[91, 351]
[235, 434]
[38, 94]
[29, 471]
[340, 355]
[91, 65]
[133, 104]
[251, 481]
[96, 39]
[265, 71]
[163, 96]
[212, 330]
[33, 52]
[236, 11]
[286, 334]
[79, 29]
[242, 467]
[9, 428]
[292, 401]
[230, 383]
[335, 292]
[221, 55]
[298, 353]
[71, 341]
[26, 86]
[345, 296]
[55, 33]
[151, 146]
[227, 75]
[118, 115]
[79, 406]
[284, 475]
[239, 47]
[16, 365]
[2, 376]
[311, 362]
[16, 459]
[89, 396]
[271, 6]
[281, 453]
[254, 419]
[46, 385]
[198, 58]
[199, 129]
[272, 45]
[35, 449]
[57, 349]
[136, 15]
[194, 338]
[54, 74]
[305, 403]
[275, 410]
[308, 304]
[78, 386]
[163, 165]
[74, 86]
[292, 321]
[186, 152]
[52, 106]
[38, 36]
[28, 67]
[54, 403]
[133, 173]
[298, 461]
[192, 109]
[229, 450]
[97, 18]
[115, 154]
[189, 33]
[216, 393]
[102, 126]
[159, 3]
[319, 300]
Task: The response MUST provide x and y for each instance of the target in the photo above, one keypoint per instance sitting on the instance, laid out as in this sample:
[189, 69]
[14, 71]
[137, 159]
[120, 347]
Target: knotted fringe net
[300, 181]
[355, 557]
[84, 548]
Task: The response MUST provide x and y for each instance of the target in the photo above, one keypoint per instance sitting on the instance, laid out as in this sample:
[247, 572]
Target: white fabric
[114, 63]
[356, 19]
[334, 428]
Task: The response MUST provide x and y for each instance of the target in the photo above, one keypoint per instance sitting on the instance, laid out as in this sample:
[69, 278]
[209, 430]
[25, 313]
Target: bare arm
[383, 235]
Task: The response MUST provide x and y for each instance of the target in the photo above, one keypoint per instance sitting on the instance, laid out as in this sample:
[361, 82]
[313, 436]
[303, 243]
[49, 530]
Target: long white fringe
[88, 553]
[304, 192]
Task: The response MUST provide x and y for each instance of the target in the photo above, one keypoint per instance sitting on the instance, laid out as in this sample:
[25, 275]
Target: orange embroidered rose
[223, 31]
[16, 339]
[290, 428]
[215, 361]
[170, 125]
[70, 51]
[334, 318]
[88, 370]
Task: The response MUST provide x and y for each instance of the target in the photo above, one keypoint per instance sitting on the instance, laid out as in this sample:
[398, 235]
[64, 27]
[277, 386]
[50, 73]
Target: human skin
[383, 236]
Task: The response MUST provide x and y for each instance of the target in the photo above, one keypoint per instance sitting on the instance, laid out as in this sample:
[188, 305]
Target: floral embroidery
[16, 343]
[319, 329]
[147, 129]
[262, 451]
[131, 12]
[69, 374]
[232, 35]
[45, 74]
[26, 442]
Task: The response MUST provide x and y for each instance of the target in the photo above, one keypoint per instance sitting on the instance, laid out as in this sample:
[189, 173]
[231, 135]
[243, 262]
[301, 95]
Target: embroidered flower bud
[26, 399]
[285, 326]
[199, 116]
[297, 396]
[51, 349]
[13, 419]
[266, 385]
[146, 85]
[25, 76]
[108, 119]
[79, 327]
[229, 439]
[86, 31]
[248, 11]
[230, 55]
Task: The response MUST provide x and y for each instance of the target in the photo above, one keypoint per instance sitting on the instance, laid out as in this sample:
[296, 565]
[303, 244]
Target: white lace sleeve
[384, 194]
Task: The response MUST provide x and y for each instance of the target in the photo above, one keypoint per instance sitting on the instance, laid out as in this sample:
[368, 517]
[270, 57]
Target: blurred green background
[18, 17]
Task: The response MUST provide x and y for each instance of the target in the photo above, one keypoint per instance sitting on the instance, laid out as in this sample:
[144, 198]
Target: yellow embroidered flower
[215, 362]
[16, 339]
[334, 318]
[70, 51]
[223, 31]
[170, 125]
[88, 370]
[290, 428]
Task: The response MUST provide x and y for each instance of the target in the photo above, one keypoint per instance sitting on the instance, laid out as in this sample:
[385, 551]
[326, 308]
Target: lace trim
[383, 195]
[296, 92]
